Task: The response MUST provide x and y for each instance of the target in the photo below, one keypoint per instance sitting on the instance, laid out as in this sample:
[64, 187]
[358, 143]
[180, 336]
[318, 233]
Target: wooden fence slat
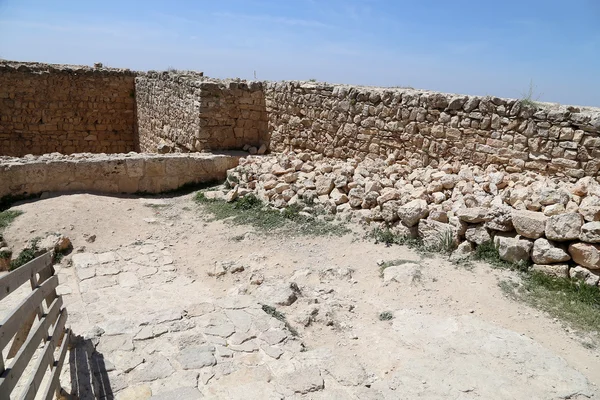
[45, 359]
[11, 376]
[13, 280]
[13, 321]
[22, 334]
[57, 367]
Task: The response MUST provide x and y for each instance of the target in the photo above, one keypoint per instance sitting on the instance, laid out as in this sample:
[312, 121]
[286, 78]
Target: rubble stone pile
[551, 223]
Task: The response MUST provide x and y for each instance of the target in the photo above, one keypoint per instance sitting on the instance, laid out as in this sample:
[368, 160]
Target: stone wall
[185, 112]
[116, 173]
[53, 108]
[426, 128]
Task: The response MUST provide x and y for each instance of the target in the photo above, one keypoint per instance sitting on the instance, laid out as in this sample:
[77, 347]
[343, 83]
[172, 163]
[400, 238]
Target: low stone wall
[117, 173]
[426, 128]
[185, 112]
[47, 108]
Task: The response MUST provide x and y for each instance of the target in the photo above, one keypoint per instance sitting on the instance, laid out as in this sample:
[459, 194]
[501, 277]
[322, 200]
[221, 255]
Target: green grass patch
[570, 300]
[249, 210]
[389, 237]
[7, 217]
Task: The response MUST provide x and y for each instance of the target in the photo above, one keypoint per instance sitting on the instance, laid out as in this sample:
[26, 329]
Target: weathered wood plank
[10, 377]
[22, 334]
[15, 319]
[45, 359]
[52, 386]
[13, 280]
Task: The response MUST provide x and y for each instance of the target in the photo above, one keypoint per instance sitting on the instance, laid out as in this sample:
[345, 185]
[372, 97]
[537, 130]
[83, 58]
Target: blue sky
[461, 46]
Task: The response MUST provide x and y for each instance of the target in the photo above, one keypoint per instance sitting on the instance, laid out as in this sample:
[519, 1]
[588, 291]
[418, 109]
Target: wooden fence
[29, 324]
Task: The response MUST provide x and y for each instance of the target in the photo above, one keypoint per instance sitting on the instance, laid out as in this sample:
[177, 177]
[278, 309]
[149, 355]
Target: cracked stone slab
[107, 257]
[222, 330]
[140, 392]
[109, 344]
[247, 347]
[199, 309]
[240, 318]
[107, 270]
[99, 282]
[273, 336]
[157, 367]
[84, 273]
[303, 381]
[197, 357]
[184, 393]
[126, 360]
[272, 351]
[150, 332]
[84, 260]
[237, 302]
[239, 338]
[128, 280]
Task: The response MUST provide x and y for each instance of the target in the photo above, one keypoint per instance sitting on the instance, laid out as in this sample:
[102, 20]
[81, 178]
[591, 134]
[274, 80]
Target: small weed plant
[272, 311]
[529, 98]
[26, 255]
[386, 316]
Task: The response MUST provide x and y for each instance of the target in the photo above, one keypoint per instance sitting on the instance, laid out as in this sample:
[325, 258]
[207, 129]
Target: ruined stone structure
[185, 112]
[426, 127]
[78, 109]
[70, 109]
[122, 173]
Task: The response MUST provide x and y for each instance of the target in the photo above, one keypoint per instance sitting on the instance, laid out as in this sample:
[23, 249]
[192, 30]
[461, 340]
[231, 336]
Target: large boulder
[413, 211]
[585, 275]
[556, 270]
[462, 252]
[499, 218]
[434, 234]
[546, 252]
[590, 208]
[324, 185]
[530, 224]
[473, 215]
[513, 249]
[477, 234]
[590, 232]
[564, 226]
[403, 273]
[586, 254]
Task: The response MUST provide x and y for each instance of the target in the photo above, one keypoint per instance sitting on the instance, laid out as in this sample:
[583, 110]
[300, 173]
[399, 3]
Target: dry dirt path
[162, 327]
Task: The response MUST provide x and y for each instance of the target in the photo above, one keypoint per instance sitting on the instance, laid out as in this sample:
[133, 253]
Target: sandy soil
[439, 318]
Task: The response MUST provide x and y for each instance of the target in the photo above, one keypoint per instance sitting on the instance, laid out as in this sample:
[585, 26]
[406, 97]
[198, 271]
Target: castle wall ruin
[184, 112]
[423, 128]
[69, 109]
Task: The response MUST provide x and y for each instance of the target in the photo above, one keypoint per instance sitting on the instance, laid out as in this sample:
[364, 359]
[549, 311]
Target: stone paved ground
[169, 306]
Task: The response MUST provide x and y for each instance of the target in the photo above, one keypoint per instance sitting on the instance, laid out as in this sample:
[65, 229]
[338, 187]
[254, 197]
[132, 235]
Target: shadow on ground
[89, 377]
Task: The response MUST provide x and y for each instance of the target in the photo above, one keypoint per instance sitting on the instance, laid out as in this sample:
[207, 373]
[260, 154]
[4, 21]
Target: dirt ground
[454, 333]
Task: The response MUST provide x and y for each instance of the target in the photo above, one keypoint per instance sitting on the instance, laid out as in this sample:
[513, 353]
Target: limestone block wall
[115, 173]
[48, 108]
[185, 112]
[424, 128]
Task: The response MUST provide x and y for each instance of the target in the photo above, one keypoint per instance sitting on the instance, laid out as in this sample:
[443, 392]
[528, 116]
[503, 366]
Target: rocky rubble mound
[527, 216]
